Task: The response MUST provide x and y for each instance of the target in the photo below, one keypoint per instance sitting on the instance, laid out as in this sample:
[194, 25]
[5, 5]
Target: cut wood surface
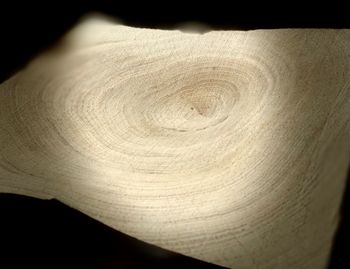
[230, 146]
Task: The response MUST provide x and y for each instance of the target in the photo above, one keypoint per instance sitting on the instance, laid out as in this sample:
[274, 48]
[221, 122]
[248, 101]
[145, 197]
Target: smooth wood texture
[231, 146]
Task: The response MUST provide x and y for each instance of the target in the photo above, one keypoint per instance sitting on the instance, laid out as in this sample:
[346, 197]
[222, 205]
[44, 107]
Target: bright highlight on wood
[231, 146]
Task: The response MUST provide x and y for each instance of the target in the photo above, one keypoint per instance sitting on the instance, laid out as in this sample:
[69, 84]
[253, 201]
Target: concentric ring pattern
[208, 145]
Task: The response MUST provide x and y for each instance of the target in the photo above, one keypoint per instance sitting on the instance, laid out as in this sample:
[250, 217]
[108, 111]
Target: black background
[47, 234]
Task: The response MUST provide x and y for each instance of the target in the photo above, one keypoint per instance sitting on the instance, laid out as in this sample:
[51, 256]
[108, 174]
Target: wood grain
[229, 146]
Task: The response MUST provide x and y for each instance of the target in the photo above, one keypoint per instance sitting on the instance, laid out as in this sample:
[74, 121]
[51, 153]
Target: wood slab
[230, 146]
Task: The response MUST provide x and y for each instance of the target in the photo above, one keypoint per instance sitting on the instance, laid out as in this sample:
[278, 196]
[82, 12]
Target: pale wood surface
[230, 147]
